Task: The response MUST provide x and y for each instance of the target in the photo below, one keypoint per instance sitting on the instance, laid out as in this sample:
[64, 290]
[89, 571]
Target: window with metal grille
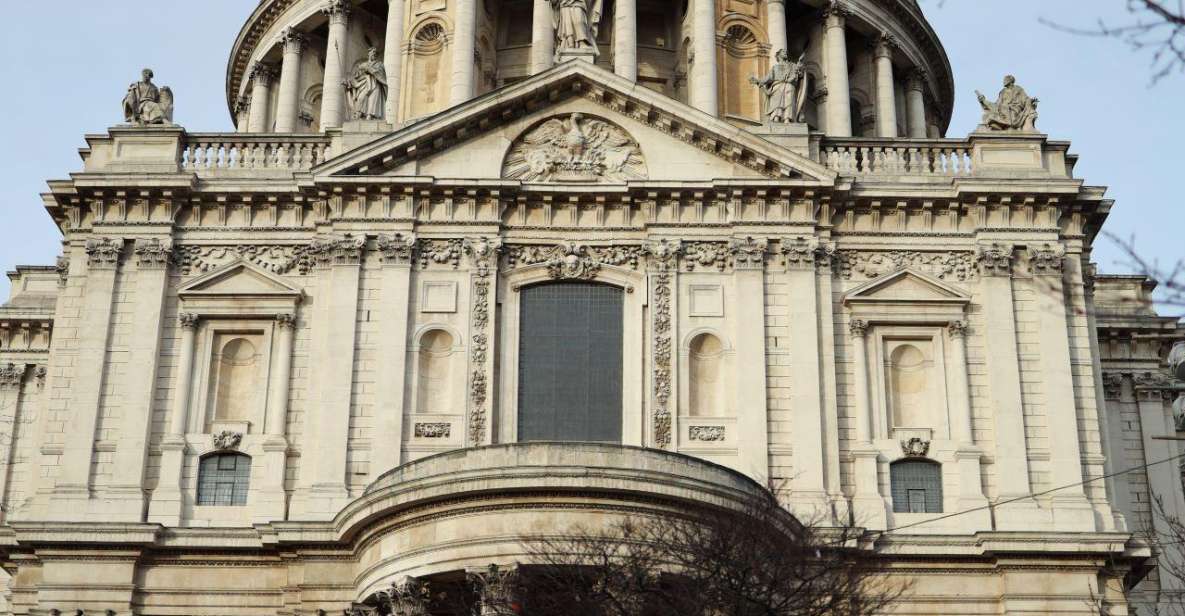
[569, 363]
[223, 479]
[916, 486]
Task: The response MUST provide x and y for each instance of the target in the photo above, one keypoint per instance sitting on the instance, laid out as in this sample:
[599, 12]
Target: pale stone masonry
[276, 371]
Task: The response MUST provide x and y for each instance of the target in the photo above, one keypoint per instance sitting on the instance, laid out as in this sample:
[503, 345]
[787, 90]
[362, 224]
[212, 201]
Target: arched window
[570, 363]
[432, 372]
[705, 369]
[916, 486]
[223, 479]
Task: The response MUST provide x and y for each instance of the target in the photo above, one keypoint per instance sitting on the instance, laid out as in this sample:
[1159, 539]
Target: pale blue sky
[71, 60]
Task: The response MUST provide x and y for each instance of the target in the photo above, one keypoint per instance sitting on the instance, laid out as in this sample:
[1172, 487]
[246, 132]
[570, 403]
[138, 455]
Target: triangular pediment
[906, 286]
[238, 279]
[523, 133]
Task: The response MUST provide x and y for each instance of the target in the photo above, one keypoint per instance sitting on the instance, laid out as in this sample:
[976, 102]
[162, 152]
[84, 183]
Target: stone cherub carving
[576, 25]
[1013, 110]
[784, 88]
[575, 149]
[146, 105]
[367, 88]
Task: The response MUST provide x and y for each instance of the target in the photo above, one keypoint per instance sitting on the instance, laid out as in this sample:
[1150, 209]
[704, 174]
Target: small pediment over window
[906, 286]
[239, 289]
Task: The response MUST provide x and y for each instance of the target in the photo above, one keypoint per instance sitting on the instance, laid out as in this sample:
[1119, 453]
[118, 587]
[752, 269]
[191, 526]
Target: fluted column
[704, 94]
[261, 89]
[464, 46]
[333, 96]
[625, 39]
[886, 99]
[393, 57]
[915, 104]
[776, 19]
[542, 37]
[839, 110]
[288, 103]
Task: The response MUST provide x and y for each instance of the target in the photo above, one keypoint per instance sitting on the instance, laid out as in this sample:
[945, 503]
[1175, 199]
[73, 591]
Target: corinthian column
[704, 95]
[839, 110]
[334, 94]
[542, 36]
[288, 105]
[776, 18]
[464, 46]
[393, 57]
[625, 39]
[886, 99]
[915, 104]
[261, 89]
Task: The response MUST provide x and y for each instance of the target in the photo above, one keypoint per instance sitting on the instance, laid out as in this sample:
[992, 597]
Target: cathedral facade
[457, 278]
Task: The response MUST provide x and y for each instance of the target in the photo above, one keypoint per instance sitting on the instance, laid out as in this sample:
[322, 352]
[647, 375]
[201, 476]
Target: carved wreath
[575, 148]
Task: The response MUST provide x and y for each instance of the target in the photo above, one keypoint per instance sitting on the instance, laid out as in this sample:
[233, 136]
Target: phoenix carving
[575, 149]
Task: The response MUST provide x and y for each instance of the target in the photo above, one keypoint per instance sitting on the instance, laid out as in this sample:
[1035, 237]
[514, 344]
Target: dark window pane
[223, 479]
[570, 353]
[916, 486]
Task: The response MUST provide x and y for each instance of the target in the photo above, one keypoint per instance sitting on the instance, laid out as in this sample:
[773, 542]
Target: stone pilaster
[396, 252]
[662, 274]
[12, 377]
[869, 507]
[288, 100]
[748, 257]
[269, 499]
[483, 255]
[168, 499]
[333, 97]
[968, 456]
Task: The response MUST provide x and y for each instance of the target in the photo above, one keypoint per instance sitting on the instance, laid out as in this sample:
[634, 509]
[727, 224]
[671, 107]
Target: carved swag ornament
[575, 149]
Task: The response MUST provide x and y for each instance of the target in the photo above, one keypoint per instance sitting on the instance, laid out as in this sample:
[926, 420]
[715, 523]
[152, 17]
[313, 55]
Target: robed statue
[145, 104]
[367, 89]
[784, 88]
[1013, 110]
[576, 24]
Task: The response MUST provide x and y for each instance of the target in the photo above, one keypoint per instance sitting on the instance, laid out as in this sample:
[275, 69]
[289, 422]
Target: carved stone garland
[275, 259]
[951, 265]
[572, 260]
[484, 255]
[664, 256]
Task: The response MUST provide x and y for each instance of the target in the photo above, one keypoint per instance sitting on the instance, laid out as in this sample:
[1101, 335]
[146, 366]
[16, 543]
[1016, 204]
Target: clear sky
[70, 61]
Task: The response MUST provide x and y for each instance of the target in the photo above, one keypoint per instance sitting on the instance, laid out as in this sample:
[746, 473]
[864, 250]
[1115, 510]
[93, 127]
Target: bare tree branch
[1157, 26]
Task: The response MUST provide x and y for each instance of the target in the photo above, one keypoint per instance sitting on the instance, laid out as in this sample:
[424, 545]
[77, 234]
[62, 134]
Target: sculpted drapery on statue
[367, 88]
[144, 104]
[784, 88]
[1013, 110]
[576, 25]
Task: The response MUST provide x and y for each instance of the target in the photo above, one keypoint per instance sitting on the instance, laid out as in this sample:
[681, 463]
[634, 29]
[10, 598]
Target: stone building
[455, 277]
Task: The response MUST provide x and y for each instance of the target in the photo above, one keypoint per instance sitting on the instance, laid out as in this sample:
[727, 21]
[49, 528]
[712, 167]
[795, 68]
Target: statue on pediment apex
[577, 23]
[1014, 109]
[145, 104]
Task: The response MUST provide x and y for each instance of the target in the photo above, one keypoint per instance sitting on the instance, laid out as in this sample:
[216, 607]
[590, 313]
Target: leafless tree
[756, 560]
[1169, 279]
[1154, 26]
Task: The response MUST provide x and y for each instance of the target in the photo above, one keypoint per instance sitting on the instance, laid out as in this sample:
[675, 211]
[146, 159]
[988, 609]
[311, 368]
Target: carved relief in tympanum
[575, 148]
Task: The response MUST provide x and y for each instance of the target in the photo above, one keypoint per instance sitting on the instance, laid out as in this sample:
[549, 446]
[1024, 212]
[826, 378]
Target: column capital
[397, 248]
[858, 328]
[188, 320]
[1047, 259]
[263, 73]
[836, 13]
[342, 250]
[884, 44]
[286, 320]
[11, 375]
[294, 40]
[495, 588]
[242, 104]
[338, 11]
[958, 328]
[748, 253]
[152, 253]
[103, 252]
[916, 78]
[995, 260]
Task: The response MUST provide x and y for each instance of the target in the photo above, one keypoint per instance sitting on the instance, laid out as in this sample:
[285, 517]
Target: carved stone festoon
[497, 590]
[227, 439]
[575, 148]
[915, 447]
[1013, 110]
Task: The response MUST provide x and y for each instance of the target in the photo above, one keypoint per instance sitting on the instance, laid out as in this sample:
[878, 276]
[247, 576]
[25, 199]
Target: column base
[168, 500]
[269, 504]
[870, 509]
[588, 55]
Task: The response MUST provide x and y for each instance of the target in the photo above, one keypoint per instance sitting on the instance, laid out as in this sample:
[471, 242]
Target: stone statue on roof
[145, 104]
[1014, 109]
[577, 23]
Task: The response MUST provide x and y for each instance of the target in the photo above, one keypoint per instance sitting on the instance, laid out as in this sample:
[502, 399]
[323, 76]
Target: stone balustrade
[215, 153]
[897, 157]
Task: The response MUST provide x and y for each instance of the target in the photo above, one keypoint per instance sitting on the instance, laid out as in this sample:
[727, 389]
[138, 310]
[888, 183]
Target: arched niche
[237, 375]
[435, 380]
[705, 376]
[743, 54]
[428, 78]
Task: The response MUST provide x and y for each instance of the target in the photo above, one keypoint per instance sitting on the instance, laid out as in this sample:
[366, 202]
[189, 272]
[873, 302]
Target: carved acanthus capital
[805, 252]
[263, 73]
[496, 588]
[188, 320]
[958, 328]
[836, 12]
[1154, 386]
[286, 320]
[408, 596]
[483, 253]
[1047, 259]
[11, 375]
[242, 105]
[1112, 385]
[995, 260]
[858, 328]
[748, 253]
[342, 250]
[397, 249]
[103, 252]
[338, 11]
[294, 40]
[153, 253]
[916, 79]
[884, 45]
[664, 254]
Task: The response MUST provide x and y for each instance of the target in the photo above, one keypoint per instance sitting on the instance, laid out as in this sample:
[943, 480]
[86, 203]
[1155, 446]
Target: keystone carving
[915, 447]
[227, 439]
[575, 149]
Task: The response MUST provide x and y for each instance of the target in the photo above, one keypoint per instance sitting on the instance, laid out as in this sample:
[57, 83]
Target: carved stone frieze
[573, 260]
[1047, 259]
[152, 253]
[227, 439]
[439, 252]
[277, 259]
[397, 248]
[575, 148]
[950, 265]
[103, 252]
[435, 429]
[706, 433]
[995, 260]
[345, 249]
[705, 255]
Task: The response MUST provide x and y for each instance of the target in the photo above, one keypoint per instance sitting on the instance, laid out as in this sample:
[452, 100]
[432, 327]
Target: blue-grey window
[917, 486]
[223, 479]
[569, 363]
